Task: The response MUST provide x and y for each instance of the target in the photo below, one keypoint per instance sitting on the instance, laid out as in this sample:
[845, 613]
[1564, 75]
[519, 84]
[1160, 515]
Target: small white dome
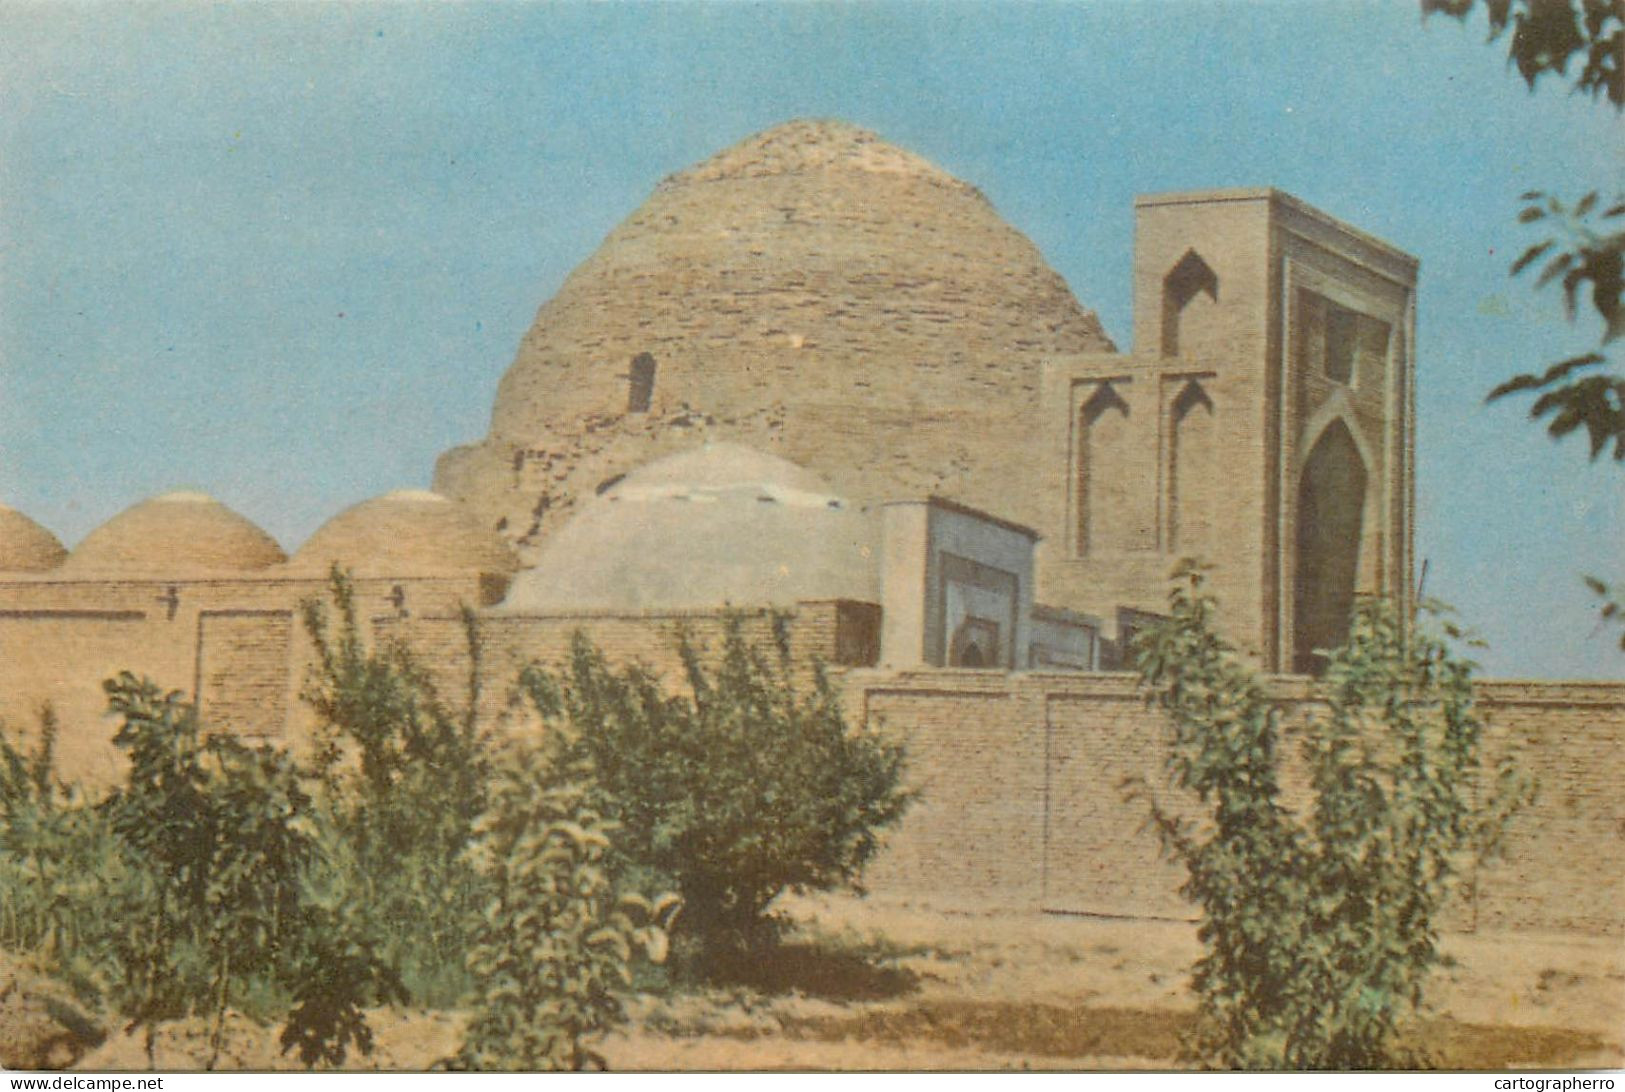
[720, 525]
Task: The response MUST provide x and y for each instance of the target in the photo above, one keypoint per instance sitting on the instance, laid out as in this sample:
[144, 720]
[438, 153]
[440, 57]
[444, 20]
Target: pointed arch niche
[1331, 514]
[1106, 478]
[1190, 300]
[1192, 477]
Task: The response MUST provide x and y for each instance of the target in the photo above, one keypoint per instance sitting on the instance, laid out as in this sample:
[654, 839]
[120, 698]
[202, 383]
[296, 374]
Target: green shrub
[739, 789]
[60, 865]
[193, 888]
[401, 781]
[1319, 930]
[552, 953]
[215, 907]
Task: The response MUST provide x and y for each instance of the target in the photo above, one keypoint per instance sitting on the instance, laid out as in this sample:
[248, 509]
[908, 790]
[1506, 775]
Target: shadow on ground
[828, 972]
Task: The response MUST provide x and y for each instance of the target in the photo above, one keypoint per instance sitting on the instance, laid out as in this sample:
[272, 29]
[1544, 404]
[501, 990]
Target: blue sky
[283, 252]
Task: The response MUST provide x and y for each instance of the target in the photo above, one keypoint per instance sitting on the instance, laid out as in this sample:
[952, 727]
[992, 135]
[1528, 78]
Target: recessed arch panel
[1106, 484]
[1331, 516]
[1193, 484]
[1190, 293]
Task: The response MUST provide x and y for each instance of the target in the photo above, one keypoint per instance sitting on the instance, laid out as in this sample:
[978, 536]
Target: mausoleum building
[819, 383]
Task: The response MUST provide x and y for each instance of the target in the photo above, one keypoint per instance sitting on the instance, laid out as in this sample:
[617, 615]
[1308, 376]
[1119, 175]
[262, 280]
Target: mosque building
[817, 376]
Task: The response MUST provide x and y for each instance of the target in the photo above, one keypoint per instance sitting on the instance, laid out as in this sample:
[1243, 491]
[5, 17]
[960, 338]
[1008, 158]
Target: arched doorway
[975, 644]
[1331, 510]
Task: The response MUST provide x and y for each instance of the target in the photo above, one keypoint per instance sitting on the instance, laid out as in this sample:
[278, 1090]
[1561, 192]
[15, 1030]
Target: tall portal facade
[1262, 423]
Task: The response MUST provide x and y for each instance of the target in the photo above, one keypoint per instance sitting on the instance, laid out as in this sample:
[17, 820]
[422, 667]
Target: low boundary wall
[1022, 801]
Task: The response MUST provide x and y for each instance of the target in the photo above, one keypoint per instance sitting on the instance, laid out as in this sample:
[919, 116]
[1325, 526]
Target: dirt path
[867, 986]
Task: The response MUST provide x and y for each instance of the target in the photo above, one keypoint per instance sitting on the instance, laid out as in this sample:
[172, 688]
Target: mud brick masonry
[818, 383]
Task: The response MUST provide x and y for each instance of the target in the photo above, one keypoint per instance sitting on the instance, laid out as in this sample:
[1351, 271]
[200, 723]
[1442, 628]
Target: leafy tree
[225, 840]
[553, 951]
[1548, 34]
[1612, 611]
[403, 780]
[1319, 928]
[742, 787]
[1575, 394]
[1587, 246]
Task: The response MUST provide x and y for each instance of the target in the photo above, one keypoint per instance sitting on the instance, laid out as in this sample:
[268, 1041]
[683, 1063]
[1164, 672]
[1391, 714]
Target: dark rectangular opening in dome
[641, 384]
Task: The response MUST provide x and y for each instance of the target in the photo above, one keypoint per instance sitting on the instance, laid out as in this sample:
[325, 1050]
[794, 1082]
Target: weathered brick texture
[1563, 863]
[1023, 803]
[507, 644]
[234, 644]
[245, 672]
[1021, 775]
[813, 292]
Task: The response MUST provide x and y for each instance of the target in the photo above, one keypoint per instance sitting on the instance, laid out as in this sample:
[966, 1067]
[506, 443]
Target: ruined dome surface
[812, 291]
[25, 546]
[402, 533]
[720, 525]
[176, 534]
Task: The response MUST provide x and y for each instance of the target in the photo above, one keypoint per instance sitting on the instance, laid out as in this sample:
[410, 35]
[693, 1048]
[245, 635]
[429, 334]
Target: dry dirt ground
[865, 986]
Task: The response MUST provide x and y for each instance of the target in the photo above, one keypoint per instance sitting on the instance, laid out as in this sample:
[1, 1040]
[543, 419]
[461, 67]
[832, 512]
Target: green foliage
[337, 970]
[1583, 252]
[1246, 871]
[1587, 247]
[1548, 34]
[402, 780]
[739, 789]
[1319, 930]
[1403, 801]
[225, 836]
[1612, 611]
[192, 889]
[27, 780]
[60, 866]
[553, 951]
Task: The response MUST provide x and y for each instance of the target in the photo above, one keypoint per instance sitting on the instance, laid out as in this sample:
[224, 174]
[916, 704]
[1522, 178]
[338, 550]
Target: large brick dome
[813, 292]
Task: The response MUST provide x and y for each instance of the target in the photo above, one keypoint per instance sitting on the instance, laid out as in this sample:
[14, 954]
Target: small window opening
[641, 384]
[1189, 279]
[1342, 330]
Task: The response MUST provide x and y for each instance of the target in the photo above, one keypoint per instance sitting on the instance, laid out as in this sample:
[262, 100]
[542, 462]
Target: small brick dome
[404, 533]
[25, 546]
[176, 534]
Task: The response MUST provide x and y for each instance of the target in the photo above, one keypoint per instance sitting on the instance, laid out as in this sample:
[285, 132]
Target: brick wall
[1562, 867]
[1020, 774]
[508, 643]
[976, 755]
[233, 643]
[245, 670]
[1022, 803]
